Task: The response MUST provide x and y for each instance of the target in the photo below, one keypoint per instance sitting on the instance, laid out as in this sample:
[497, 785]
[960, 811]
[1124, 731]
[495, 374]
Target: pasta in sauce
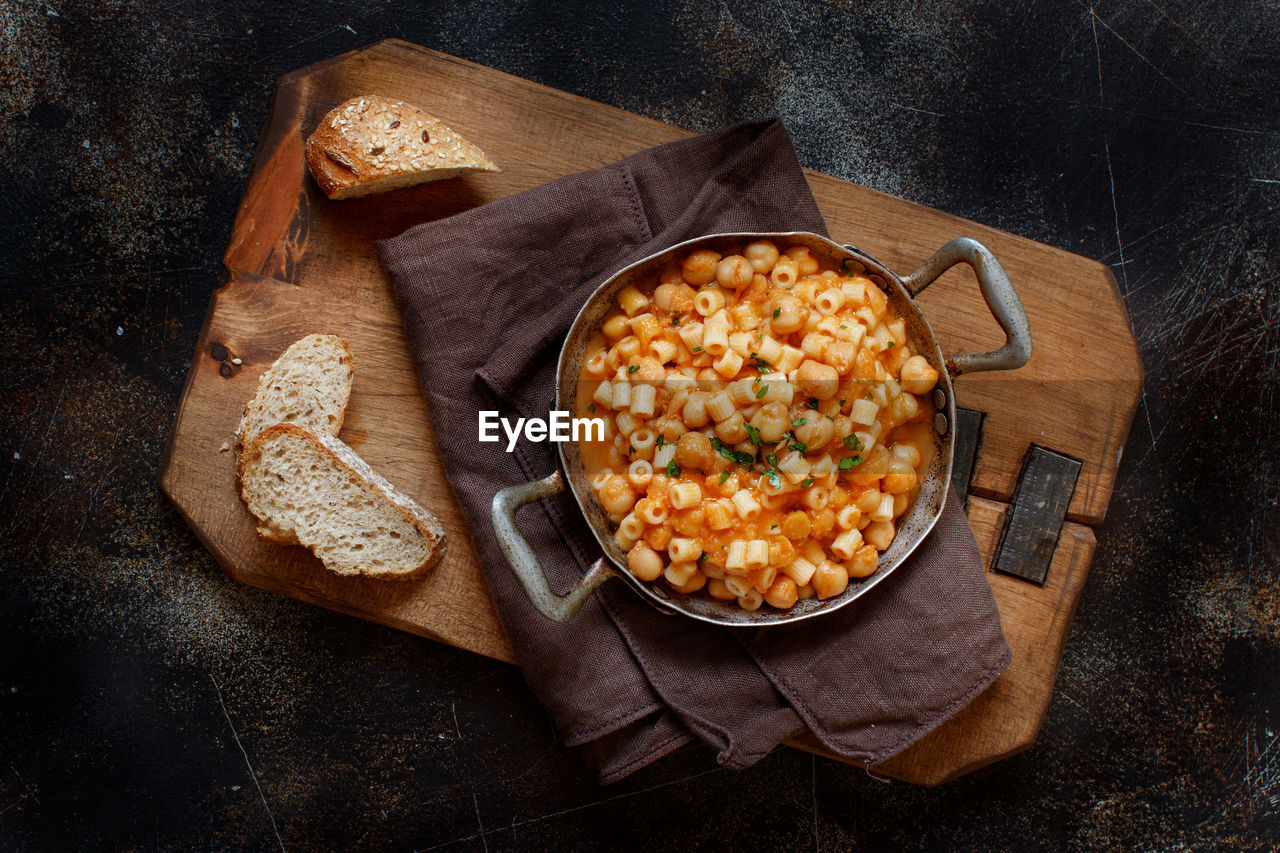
[767, 424]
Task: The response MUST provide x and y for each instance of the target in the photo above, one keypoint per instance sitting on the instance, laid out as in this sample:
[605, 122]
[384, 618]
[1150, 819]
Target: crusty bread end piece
[308, 385]
[310, 489]
[372, 144]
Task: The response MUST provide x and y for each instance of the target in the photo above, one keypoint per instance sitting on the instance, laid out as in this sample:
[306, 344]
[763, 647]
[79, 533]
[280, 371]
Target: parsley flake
[633, 368]
[697, 349]
[662, 440]
[806, 482]
[673, 470]
[796, 444]
[724, 475]
[891, 345]
[852, 442]
[813, 403]
[764, 389]
[592, 408]
[775, 479]
[772, 460]
[798, 422]
[777, 312]
[753, 434]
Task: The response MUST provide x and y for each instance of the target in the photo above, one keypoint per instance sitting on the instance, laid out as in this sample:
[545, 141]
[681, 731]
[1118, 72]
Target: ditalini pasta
[768, 424]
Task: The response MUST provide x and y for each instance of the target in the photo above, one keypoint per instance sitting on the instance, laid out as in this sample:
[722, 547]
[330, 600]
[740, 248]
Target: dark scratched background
[147, 702]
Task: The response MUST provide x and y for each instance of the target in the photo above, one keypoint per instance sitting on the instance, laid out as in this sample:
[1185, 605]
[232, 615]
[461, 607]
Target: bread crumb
[226, 445]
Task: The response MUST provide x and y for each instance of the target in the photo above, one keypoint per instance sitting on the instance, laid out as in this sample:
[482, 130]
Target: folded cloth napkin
[488, 296]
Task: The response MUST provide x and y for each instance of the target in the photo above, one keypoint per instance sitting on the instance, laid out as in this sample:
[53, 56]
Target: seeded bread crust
[372, 144]
[309, 384]
[264, 486]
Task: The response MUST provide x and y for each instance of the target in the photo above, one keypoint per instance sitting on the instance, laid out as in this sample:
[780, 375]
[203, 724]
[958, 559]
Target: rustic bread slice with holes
[308, 488]
[308, 385]
[372, 144]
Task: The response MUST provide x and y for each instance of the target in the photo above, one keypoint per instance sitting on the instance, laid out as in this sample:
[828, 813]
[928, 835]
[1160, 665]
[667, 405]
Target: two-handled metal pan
[912, 528]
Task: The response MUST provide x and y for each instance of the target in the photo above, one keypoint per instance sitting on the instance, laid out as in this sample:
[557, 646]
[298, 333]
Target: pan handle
[1001, 298]
[524, 563]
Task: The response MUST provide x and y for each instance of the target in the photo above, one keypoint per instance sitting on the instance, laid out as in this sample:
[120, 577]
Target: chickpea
[840, 355]
[805, 263]
[671, 273]
[816, 430]
[648, 371]
[908, 453]
[734, 272]
[865, 561]
[700, 266]
[762, 254]
[878, 534]
[791, 315]
[616, 328]
[717, 589]
[771, 421]
[796, 526]
[616, 495]
[783, 593]
[817, 379]
[898, 483]
[918, 375]
[732, 430]
[688, 522]
[675, 298]
[829, 580]
[867, 501]
[644, 562]
[694, 450]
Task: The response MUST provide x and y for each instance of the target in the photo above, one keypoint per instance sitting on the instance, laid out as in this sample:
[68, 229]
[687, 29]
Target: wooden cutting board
[299, 263]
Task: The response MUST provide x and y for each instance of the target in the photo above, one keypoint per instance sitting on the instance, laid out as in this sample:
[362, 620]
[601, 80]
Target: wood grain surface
[298, 263]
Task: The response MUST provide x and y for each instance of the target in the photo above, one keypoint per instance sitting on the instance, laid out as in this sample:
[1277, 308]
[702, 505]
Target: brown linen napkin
[488, 296]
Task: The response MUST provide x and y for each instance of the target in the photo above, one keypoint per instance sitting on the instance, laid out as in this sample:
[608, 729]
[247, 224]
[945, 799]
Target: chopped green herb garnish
[852, 442]
[891, 345]
[697, 349]
[772, 460]
[777, 312]
[773, 527]
[799, 422]
[662, 440]
[775, 479]
[806, 482]
[848, 267]
[592, 408]
[760, 364]
[843, 326]
[673, 470]
[753, 434]
[675, 319]
[842, 402]
[798, 445]
[632, 448]
[848, 462]
[633, 368]
[813, 403]
[704, 555]
[724, 475]
[742, 458]
[764, 389]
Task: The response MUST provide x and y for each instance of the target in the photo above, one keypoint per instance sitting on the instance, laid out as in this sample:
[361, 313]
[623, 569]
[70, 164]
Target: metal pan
[912, 528]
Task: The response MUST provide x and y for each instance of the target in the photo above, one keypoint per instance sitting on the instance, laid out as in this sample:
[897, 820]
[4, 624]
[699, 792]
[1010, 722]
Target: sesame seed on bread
[372, 144]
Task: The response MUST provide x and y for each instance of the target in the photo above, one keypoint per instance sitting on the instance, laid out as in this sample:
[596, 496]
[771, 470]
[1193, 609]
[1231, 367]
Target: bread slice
[308, 488]
[372, 144]
[308, 385]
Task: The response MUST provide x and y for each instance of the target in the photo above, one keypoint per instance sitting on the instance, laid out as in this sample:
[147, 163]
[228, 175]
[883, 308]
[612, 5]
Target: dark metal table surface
[146, 701]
